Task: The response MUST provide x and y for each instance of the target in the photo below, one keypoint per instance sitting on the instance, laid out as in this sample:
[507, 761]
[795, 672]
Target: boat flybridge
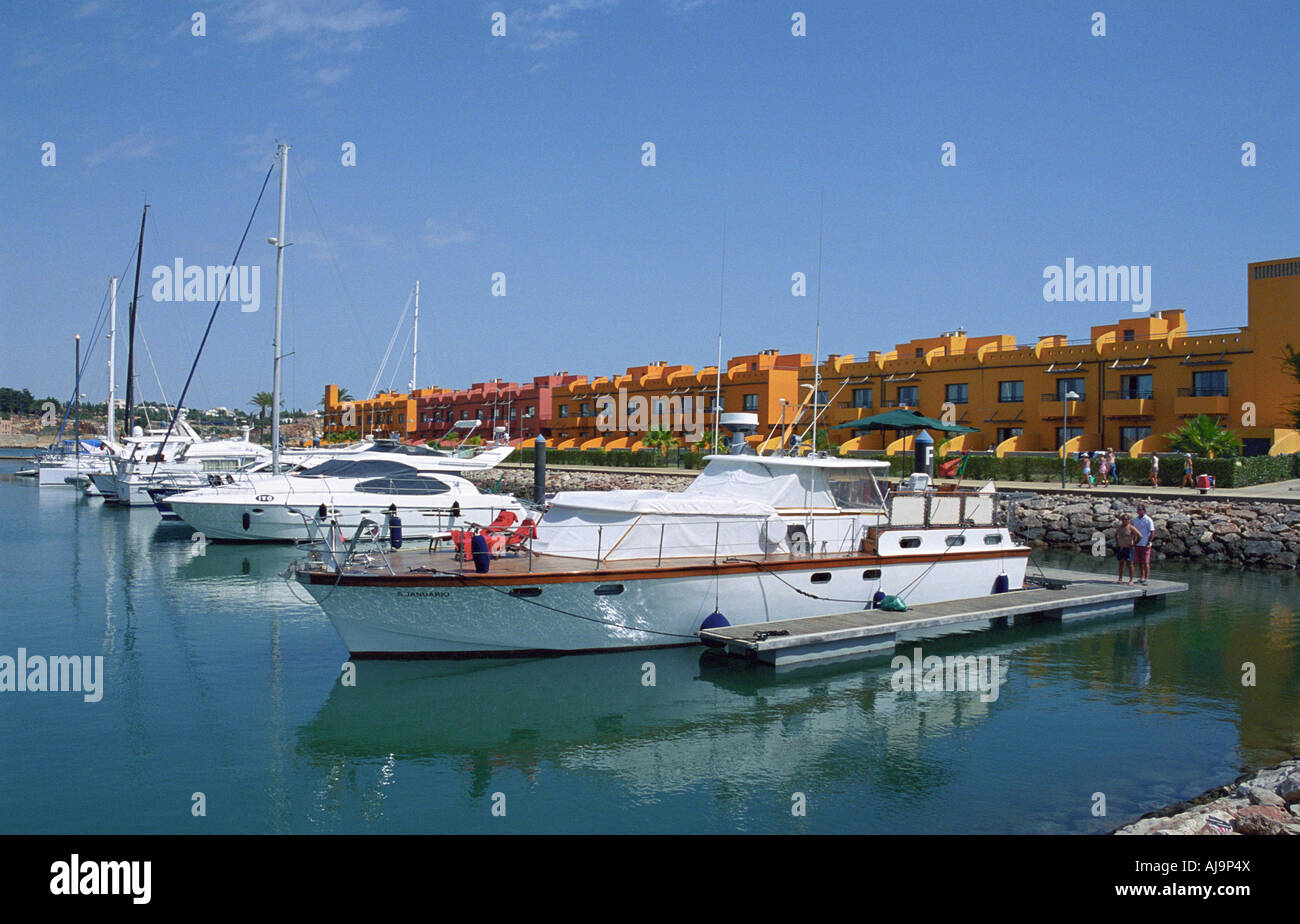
[752, 539]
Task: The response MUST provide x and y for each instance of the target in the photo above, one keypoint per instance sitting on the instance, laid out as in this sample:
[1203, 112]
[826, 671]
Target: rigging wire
[216, 306]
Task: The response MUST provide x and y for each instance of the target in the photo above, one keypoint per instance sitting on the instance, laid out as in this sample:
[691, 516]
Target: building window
[585, 409]
[822, 398]
[1130, 435]
[1065, 386]
[530, 412]
[909, 395]
[1211, 384]
[1006, 433]
[564, 410]
[1135, 386]
[862, 397]
[1062, 435]
[751, 402]
[919, 352]
[1011, 392]
[1130, 334]
[688, 405]
[957, 394]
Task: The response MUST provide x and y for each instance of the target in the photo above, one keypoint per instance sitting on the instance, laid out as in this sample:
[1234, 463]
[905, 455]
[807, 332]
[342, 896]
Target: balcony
[1131, 403]
[1213, 402]
[1054, 407]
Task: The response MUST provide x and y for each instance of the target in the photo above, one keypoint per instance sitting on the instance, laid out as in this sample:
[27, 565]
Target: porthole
[871, 574]
[910, 542]
[608, 590]
[526, 592]
[993, 539]
[821, 577]
[952, 541]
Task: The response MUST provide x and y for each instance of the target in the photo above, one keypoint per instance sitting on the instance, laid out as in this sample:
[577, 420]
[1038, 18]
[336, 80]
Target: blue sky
[523, 155]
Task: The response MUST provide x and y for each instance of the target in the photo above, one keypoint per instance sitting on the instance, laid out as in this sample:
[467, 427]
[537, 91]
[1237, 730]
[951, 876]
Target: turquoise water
[220, 679]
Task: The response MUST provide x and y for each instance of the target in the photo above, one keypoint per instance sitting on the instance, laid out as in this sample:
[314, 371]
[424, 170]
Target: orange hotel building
[1135, 380]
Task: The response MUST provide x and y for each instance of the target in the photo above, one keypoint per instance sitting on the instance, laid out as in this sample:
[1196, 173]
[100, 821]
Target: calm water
[221, 679]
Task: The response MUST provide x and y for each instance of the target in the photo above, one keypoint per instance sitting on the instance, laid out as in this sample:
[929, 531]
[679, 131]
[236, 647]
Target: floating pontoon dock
[1060, 595]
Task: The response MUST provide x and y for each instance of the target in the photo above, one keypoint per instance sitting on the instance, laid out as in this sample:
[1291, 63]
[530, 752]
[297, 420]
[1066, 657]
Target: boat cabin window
[403, 484]
[910, 542]
[955, 540]
[854, 489]
[871, 574]
[993, 539]
[821, 577]
[607, 590]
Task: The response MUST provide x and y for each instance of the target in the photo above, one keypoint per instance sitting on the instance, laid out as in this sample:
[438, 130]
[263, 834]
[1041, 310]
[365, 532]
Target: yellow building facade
[1123, 387]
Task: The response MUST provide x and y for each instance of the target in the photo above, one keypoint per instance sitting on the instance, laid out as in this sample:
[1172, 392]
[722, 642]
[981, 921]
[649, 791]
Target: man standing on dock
[1142, 550]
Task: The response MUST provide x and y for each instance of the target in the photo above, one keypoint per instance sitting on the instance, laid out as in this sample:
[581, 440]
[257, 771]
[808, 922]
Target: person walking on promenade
[1155, 470]
[1126, 536]
[1142, 549]
[1085, 480]
[1103, 470]
[1189, 478]
[1112, 467]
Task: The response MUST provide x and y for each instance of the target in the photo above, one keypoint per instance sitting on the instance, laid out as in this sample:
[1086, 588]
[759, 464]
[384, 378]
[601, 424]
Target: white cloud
[138, 144]
[319, 21]
[438, 235]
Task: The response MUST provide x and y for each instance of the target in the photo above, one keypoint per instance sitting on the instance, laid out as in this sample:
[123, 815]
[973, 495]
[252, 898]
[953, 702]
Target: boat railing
[327, 543]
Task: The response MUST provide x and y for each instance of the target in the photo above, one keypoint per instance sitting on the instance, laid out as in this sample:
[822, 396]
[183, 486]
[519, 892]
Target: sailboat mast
[717, 388]
[279, 294]
[110, 426]
[130, 348]
[415, 337]
[76, 396]
[817, 356]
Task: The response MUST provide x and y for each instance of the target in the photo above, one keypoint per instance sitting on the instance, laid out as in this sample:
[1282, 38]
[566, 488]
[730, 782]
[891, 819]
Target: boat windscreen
[854, 489]
[358, 468]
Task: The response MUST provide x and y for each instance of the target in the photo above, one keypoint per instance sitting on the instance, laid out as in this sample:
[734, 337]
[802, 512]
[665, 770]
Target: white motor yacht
[341, 492]
[752, 539]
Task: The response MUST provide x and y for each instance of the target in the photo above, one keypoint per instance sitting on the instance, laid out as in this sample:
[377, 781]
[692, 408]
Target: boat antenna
[817, 354]
[128, 420]
[717, 390]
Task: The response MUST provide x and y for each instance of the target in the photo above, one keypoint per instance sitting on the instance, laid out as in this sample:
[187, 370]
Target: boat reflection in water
[741, 733]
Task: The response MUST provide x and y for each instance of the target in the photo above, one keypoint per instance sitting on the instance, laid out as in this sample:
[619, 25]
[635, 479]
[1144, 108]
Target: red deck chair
[505, 519]
[519, 538]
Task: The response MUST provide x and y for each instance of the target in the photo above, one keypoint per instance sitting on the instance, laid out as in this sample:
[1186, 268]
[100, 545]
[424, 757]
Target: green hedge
[1237, 472]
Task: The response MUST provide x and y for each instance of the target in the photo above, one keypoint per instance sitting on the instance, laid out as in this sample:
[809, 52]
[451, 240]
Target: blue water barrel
[482, 558]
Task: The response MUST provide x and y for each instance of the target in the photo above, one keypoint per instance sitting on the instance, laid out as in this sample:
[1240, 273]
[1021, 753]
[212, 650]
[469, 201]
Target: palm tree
[1202, 436]
[1291, 363]
[344, 395]
[663, 440]
[263, 400]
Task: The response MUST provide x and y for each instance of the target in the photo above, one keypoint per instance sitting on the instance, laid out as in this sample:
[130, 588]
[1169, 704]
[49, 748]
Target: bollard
[539, 470]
